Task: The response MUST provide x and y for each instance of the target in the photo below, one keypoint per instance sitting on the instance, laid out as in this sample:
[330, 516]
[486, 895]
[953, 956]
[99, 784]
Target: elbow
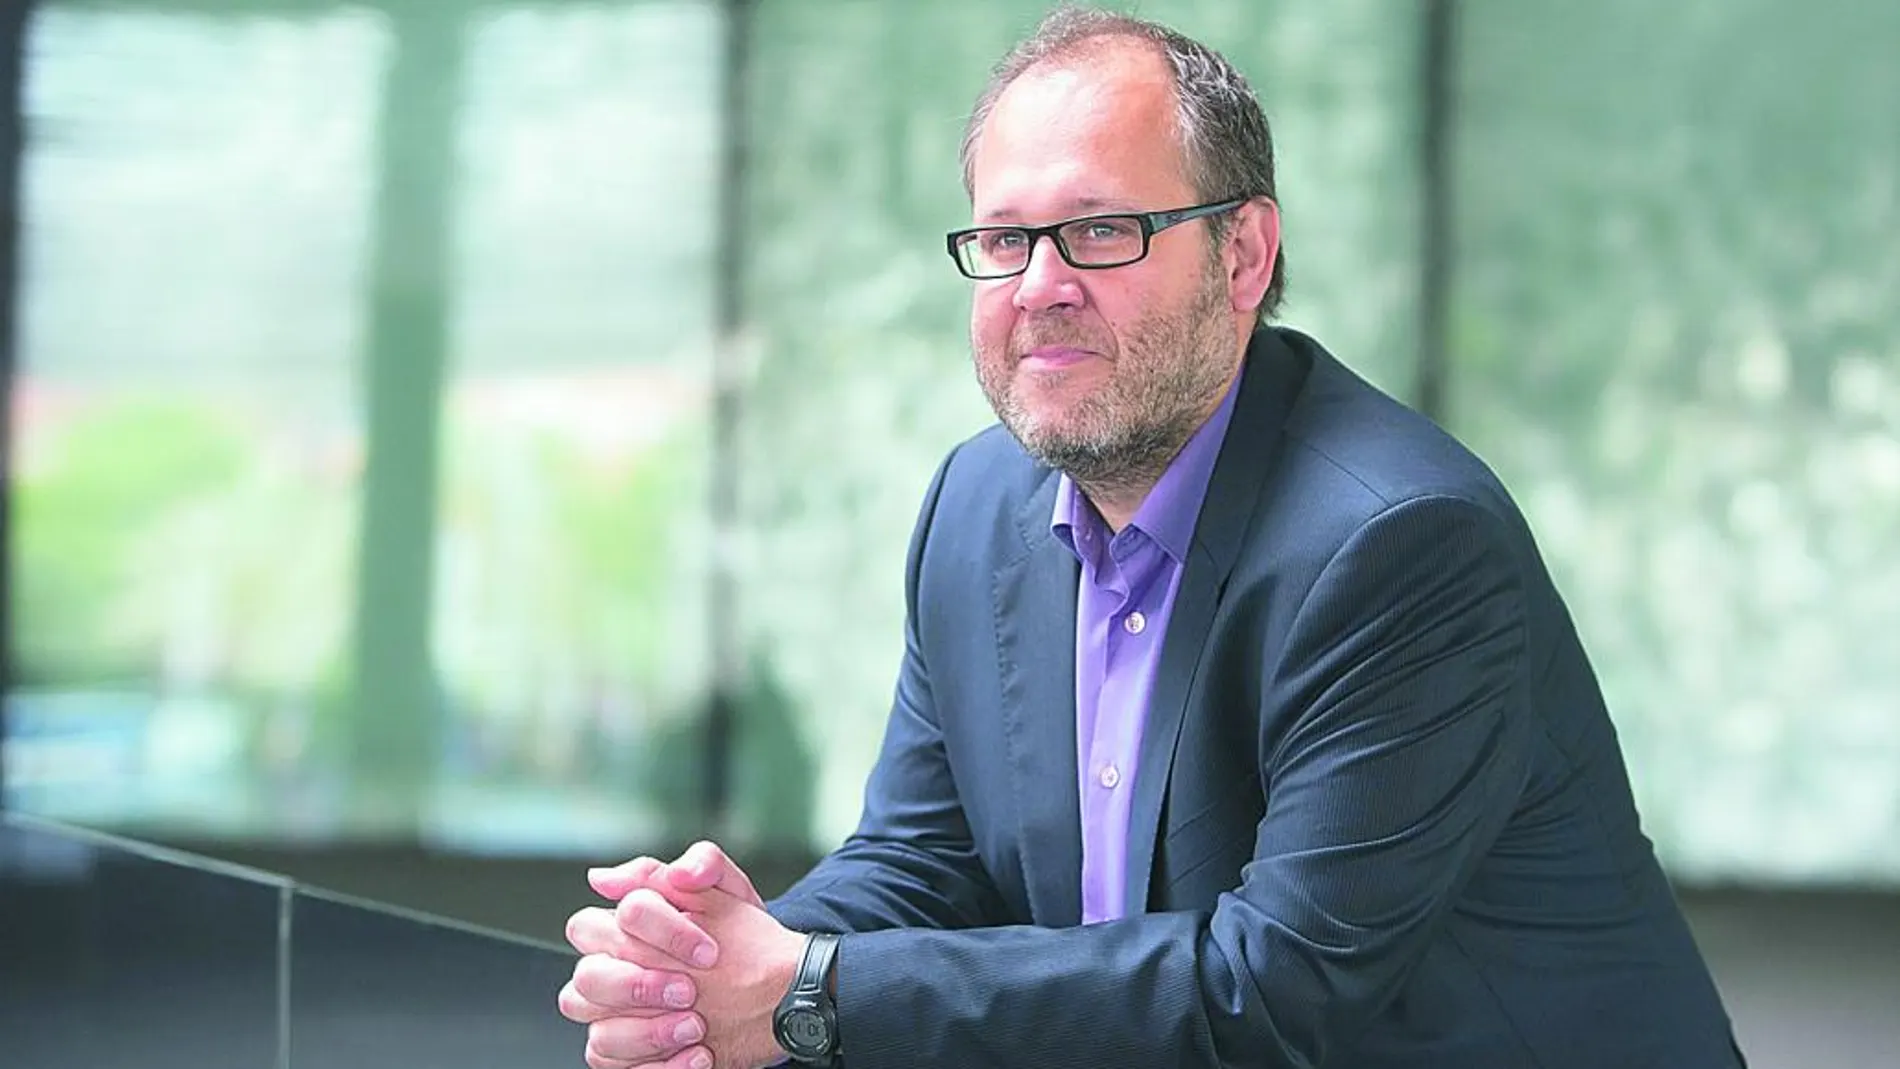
[1268, 1008]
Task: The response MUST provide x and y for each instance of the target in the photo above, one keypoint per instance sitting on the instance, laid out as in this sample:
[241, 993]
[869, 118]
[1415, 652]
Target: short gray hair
[1226, 143]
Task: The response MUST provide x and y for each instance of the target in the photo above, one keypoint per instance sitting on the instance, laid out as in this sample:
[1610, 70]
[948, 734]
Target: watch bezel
[804, 1006]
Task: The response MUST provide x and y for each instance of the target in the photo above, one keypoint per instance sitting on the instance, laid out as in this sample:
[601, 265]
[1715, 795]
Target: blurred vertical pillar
[13, 18]
[900, 33]
[722, 612]
[1437, 88]
[393, 712]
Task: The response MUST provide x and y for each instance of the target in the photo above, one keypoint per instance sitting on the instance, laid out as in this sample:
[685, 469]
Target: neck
[1118, 498]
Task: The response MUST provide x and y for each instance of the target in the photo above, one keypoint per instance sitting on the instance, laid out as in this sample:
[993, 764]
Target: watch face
[805, 1031]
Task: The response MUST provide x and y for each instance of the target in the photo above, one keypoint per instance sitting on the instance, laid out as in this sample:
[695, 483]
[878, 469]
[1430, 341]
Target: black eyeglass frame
[1151, 223]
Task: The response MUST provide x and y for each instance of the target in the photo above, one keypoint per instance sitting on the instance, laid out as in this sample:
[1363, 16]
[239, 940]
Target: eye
[1106, 233]
[995, 241]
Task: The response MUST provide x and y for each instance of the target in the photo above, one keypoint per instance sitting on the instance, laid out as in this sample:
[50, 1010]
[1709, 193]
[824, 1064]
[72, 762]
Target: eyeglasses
[1091, 242]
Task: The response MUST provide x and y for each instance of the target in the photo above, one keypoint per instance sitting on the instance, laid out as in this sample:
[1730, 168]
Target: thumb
[705, 866]
[621, 880]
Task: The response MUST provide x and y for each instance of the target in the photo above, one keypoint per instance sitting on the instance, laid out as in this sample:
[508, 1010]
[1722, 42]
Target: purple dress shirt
[1122, 606]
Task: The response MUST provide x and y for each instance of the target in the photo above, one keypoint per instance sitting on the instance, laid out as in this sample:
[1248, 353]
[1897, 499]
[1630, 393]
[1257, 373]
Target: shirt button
[1135, 623]
[1110, 777]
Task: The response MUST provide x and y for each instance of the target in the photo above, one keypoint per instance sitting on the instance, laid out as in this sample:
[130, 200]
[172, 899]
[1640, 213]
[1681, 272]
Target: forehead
[1094, 129]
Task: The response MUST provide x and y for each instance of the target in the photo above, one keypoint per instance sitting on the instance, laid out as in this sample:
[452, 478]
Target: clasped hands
[684, 972]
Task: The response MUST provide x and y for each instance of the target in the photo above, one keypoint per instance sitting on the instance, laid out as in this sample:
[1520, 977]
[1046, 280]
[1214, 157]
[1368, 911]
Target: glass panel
[362, 423]
[863, 378]
[112, 952]
[569, 619]
[374, 987]
[195, 199]
[1678, 340]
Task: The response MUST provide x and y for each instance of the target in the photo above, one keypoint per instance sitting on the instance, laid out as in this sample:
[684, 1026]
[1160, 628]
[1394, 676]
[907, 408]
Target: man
[1238, 723]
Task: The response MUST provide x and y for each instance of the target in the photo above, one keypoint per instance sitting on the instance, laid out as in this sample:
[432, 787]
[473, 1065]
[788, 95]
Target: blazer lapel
[1271, 377]
[1034, 602]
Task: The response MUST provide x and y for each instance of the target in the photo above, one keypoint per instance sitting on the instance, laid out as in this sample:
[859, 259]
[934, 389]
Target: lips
[1054, 357]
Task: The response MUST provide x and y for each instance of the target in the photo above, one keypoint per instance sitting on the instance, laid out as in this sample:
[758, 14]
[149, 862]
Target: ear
[1252, 249]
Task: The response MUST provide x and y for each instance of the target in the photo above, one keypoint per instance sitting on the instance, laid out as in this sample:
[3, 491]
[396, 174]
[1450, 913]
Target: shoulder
[1351, 453]
[989, 490]
[1354, 480]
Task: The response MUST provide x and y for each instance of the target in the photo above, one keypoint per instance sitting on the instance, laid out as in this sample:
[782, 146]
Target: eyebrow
[1083, 205]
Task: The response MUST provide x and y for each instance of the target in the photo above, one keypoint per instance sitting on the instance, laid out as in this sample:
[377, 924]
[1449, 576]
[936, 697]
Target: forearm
[1155, 990]
[869, 885]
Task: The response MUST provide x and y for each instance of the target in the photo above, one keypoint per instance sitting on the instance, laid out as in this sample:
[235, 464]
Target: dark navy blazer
[1380, 816]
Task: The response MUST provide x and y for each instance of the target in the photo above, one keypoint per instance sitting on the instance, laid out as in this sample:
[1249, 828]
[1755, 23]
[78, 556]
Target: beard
[1166, 377]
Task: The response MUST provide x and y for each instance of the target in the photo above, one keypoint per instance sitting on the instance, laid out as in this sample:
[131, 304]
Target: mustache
[1034, 336]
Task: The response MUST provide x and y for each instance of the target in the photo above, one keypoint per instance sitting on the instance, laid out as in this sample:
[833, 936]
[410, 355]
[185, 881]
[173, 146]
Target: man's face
[1100, 373]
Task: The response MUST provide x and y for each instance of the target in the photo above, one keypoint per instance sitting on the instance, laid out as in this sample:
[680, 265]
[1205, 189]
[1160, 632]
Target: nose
[1048, 282]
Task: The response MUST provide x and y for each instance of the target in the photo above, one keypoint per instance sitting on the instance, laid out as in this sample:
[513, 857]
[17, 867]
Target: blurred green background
[397, 456]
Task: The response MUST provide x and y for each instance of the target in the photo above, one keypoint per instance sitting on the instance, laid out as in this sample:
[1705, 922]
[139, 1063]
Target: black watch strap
[814, 966]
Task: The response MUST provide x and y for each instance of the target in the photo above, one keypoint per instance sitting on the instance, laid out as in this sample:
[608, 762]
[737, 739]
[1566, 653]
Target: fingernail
[596, 874]
[687, 1031]
[704, 956]
[702, 1060]
[679, 996]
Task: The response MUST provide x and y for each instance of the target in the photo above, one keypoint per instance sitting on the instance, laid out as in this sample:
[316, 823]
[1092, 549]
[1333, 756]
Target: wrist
[805, 1023]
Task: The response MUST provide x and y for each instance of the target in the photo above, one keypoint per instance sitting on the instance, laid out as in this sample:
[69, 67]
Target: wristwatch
[806, 1022]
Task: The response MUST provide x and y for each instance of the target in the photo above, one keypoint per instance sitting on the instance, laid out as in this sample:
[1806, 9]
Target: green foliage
[102, 484]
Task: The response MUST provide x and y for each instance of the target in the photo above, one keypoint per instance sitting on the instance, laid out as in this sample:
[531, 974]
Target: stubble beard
[1120, 439]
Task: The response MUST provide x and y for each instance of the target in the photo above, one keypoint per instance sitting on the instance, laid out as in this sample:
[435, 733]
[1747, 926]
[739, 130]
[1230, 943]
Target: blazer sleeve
[1407, 751]
[911, 863]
